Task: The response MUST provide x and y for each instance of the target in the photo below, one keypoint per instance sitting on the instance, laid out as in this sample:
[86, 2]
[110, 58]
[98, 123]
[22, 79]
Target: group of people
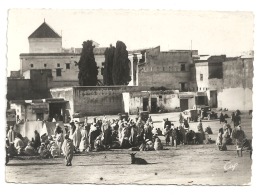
[104, 134]
[46, 146]
[184, 135]
[235, 118]
[116, 133]
[101, 134]
[228, 135]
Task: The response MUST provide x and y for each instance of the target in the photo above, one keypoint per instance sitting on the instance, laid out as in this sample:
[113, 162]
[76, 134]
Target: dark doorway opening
[213, 99]
[200, 100]
[39, 116]
[57, 111]
[145, 103]
[183, 104]
[154, 105]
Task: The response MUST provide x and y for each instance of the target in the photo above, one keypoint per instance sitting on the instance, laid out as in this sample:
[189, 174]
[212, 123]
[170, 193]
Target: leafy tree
[88, 70]
[121, 69]
[108, 66]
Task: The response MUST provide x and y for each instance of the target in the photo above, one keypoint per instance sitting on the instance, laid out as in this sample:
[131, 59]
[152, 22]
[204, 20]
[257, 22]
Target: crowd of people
[229, 135]
[103, 134]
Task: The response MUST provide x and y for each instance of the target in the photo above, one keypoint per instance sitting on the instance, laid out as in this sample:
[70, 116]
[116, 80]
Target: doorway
[213, 99]
[153, 105]
[145, 103]
[183, 104]
[57, 111]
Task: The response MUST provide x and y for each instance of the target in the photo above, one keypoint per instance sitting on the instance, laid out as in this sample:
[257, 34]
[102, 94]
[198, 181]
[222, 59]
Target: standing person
[227, 126]
[148, 131]
[239, 135]
[174, 132]
[167, 122]
[84, 140]
[237, 120]
[93, 133]
[202, 113]
[72, 130]
[182, 133]
[68, 149]
[200, 129]
[11, 135]
[167, 135]
[57, 129]
[181, 118]
[186, 125]
[7, 154]
[86, 121]
[18, 143]
[225, 138]
[221, 118]
[37, 141]
[59, 140]
[233, 118]
[106, 130]
[219, 139]
[77, 136]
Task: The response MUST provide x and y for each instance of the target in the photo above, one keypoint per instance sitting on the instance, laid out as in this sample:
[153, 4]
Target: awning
[39, 107]
[56, 100]
[185, 96]
[39, 110]
[201, 94]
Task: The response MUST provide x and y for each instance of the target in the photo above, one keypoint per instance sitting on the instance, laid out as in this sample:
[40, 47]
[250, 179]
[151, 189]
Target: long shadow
[157, 121]
[114, 164]
[31, 164]
[99, 165]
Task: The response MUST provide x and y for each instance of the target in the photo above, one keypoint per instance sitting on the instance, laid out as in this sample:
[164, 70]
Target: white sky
[211, 33]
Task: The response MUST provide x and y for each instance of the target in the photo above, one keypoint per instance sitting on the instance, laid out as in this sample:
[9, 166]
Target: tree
[121, 69]
[108, 65]
[88, 70]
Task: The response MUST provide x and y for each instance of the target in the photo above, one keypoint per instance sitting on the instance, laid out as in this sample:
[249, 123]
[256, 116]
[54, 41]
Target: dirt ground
[184, 165]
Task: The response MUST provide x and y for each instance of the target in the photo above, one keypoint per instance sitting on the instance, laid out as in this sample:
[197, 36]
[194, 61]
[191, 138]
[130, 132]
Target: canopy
[27, 129]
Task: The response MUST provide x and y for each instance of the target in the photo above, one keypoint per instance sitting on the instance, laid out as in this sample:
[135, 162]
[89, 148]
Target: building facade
[46, 52]
[170, 69]
[226, 81]
[237, 84]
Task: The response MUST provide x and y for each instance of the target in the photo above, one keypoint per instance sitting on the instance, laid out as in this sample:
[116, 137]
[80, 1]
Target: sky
[212, 33]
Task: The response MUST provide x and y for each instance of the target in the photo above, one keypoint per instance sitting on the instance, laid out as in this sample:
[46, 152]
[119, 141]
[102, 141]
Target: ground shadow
[31, 164]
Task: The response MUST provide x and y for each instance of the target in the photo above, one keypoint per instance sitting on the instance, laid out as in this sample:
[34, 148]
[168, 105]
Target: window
[31, 65]
[59, 72]
[58, 65]
[45, 65]
[103, 63]
[201, 77]
[160, 97]
[102, 71]
[182, 67]
[67, 65]
[183, 86]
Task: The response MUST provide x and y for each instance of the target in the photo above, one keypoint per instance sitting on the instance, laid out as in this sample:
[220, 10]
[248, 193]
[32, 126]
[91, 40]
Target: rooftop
[44, 31]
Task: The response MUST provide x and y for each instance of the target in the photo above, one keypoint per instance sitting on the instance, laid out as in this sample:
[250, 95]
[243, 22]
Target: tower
[45, 40]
